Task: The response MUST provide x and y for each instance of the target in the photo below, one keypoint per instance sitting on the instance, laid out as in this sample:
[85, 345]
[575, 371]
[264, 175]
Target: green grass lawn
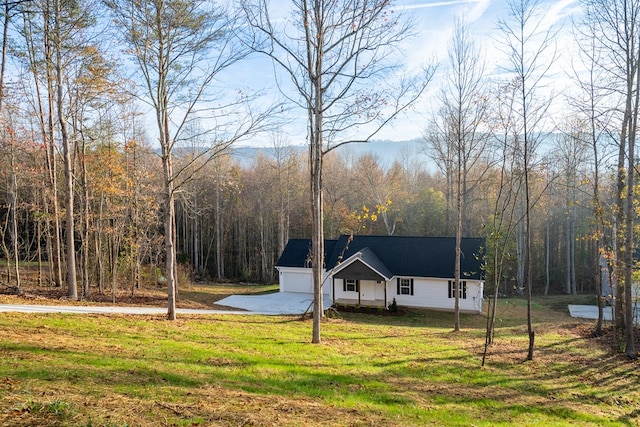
[95, 370]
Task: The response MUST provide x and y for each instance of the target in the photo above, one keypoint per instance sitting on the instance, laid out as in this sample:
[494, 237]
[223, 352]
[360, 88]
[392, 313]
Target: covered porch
[361, 280]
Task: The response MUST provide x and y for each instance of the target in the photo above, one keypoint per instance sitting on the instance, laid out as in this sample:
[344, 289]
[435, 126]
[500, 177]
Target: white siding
[296, 279]
[427, 293]
[434, 293]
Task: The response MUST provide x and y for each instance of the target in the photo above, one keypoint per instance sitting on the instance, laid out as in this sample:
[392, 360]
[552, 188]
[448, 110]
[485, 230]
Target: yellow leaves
[107, 172]
[364, 215]
[382, 208]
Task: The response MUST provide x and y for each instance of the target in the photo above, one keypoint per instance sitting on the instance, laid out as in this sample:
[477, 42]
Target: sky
[482, 17]
[434, 25]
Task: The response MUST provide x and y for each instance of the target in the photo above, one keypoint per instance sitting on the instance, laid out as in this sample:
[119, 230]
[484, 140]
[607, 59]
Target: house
[373, 270]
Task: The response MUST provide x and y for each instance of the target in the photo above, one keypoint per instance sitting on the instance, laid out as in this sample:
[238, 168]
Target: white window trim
[405, 285]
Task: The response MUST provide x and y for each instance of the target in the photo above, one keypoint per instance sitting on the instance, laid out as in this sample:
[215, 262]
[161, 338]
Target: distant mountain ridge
[386, 150]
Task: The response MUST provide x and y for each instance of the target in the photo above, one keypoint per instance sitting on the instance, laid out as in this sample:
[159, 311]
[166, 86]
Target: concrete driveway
[275, 303]
[588, 311]
[591, 312]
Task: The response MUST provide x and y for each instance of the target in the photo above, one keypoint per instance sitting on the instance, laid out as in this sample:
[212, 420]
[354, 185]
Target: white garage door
[296, 281]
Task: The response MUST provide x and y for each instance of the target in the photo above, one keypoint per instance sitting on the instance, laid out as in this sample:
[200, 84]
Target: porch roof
[363, 265]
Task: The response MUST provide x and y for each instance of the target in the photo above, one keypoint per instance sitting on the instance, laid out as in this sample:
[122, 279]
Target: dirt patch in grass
[36, 288]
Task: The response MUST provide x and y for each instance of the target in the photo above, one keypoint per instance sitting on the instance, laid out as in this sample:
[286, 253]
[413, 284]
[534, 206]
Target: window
[463, 289]
[405, 286]
[351, 285]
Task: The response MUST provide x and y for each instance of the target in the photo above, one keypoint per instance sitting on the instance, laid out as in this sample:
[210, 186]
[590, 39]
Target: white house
[374, 270]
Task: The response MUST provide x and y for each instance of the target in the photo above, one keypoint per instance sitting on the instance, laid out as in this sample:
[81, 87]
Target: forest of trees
[234, 217]
[101, 200]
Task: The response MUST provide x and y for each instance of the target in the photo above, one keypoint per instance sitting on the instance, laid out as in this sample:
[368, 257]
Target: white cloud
[560, 10]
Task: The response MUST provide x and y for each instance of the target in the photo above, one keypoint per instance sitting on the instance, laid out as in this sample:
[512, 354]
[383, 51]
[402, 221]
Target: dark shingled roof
[401, 255]
[297, 253]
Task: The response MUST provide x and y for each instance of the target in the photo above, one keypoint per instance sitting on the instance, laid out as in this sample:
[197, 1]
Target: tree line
[235, 216]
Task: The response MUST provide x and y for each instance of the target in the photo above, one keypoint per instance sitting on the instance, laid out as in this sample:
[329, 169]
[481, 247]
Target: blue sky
[435, 28]
[434, 24]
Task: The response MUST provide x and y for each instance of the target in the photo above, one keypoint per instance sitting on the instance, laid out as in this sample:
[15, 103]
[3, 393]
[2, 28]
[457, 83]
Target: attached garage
[300, 280]
[296, 280]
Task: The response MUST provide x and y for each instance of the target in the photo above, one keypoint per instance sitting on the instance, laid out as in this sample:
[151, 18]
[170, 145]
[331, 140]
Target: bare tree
[462, 126]
[590, 105]
[38, 58]
[6, 138]
[571, 154]
[501, 228]
[336, 53]
[284, 161]
[66, 150]
[615, 28]
[530, 52]
[61, 21]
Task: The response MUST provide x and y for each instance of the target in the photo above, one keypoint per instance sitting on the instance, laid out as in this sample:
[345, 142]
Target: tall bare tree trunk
[527, 222]
[13, 199]
[218, 226]
[169, 216]
[354, 36]
[99, 244]
[630, 215]
[67, 159]
[84, 252]
[317, 240]
[457, 272]
[547, 257]
[5, 133]
[51, 146]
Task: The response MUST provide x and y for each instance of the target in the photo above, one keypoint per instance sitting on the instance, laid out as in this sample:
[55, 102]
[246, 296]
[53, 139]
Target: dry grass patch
[211, 406]
[192, 295]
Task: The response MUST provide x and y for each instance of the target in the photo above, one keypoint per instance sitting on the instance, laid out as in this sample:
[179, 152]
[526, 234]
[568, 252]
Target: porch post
[384, 283]
[333, 289]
